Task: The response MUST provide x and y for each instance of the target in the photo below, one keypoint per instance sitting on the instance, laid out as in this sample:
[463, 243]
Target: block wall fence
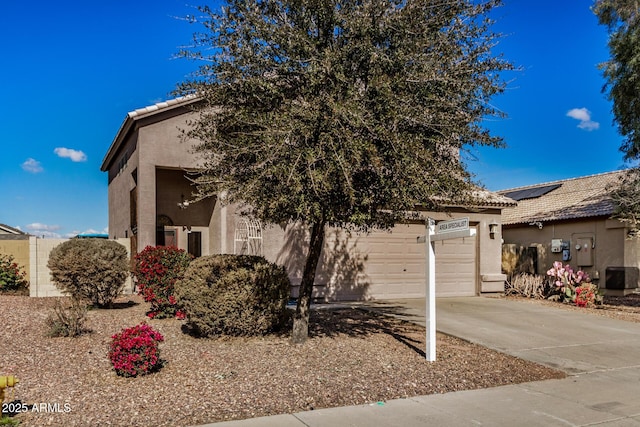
[32, 255]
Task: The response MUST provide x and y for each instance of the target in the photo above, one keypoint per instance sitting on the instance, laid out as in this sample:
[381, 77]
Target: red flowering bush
[587, 295]
[12, 276]
[134, 351]
[156, 271]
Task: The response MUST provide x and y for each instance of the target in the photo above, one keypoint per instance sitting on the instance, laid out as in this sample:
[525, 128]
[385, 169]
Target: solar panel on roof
[531, 193]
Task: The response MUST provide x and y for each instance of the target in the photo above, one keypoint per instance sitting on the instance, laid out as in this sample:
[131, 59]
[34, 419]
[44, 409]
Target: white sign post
[430, 314]
[452, 229]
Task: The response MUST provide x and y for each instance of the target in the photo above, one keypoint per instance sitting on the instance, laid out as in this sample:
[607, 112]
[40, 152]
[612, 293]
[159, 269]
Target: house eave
[550, 220]
[12, 230]
[128, 125]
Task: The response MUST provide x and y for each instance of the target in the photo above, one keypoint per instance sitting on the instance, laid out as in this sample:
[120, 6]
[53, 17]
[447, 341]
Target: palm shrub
[156, 270]
[12, 276]
[233, 295]
[92, 269]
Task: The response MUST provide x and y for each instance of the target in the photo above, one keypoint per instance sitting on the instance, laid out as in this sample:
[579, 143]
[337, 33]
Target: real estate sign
[453, 229]
[444, 230]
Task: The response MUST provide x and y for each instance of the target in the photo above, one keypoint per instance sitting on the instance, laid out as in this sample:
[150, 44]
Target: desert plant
[67, 320]
[135, 351]
[12, 276]
[564, 282]
[588, 295]
[233, 295]
[525, 285]
[156, 270]
[92, 269]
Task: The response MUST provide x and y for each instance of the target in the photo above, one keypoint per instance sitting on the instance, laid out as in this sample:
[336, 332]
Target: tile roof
[10, 230]
[164, 105]
[573, 198]
[481, 197]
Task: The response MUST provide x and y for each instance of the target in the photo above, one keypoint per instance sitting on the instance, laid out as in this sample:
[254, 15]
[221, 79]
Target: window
[133, 210]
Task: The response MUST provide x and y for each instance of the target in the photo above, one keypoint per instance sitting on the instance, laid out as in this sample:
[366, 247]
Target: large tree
[622, 77]
[622, 70]
[343, 113]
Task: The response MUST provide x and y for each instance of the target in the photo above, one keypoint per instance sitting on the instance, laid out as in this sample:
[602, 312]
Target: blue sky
[71, 71]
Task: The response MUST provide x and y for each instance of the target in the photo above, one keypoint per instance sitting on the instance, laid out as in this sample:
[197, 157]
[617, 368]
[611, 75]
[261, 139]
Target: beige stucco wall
[155, 144]
[344, 261]
[159, 146]
[121, 182]
[610, 248]
[19, 250]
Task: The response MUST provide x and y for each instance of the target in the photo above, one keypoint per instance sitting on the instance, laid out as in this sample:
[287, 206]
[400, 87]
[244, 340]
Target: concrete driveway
[571, 341]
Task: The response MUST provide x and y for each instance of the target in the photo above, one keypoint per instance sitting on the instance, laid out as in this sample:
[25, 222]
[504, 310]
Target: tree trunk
[300, 331]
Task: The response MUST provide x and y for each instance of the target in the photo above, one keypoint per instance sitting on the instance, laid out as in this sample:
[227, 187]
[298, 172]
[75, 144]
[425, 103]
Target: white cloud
[32, 165]
[584, 116]
[38, 226]
[74, 155]
[44, 230]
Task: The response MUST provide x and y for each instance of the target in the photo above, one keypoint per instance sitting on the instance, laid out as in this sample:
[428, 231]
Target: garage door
[394, 264]
[455, 267]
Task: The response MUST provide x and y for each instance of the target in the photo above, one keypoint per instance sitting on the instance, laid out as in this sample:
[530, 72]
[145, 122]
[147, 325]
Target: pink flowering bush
[134, 351]
[157, 269]
[572, 286]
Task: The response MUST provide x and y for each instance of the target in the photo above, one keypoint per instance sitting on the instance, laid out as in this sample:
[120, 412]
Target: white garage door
[455, 267]
[395, 264]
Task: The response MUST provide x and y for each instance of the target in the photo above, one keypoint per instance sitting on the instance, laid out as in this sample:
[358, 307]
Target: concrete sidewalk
[601, 356]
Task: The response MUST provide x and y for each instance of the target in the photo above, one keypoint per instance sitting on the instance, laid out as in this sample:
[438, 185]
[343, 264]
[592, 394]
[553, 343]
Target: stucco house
[570, 221]
[149, 194]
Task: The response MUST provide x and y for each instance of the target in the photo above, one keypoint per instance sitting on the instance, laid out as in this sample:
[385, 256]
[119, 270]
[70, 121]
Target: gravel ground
[353, 357]
[622, 308]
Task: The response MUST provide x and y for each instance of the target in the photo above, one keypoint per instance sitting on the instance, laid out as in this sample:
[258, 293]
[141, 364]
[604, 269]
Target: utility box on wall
[556, 246]
[620, 278]
[584, 251]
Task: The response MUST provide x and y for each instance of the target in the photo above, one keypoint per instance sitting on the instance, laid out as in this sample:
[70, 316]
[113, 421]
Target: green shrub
[67, 321]
[92, 269]
[12, 276]
[156, 271]
[233, 295]
[7, 421]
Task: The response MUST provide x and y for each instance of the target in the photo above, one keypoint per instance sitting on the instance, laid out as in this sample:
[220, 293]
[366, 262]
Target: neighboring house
[149, 189]
[6, 231]
[569, 221]
[15, 243]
